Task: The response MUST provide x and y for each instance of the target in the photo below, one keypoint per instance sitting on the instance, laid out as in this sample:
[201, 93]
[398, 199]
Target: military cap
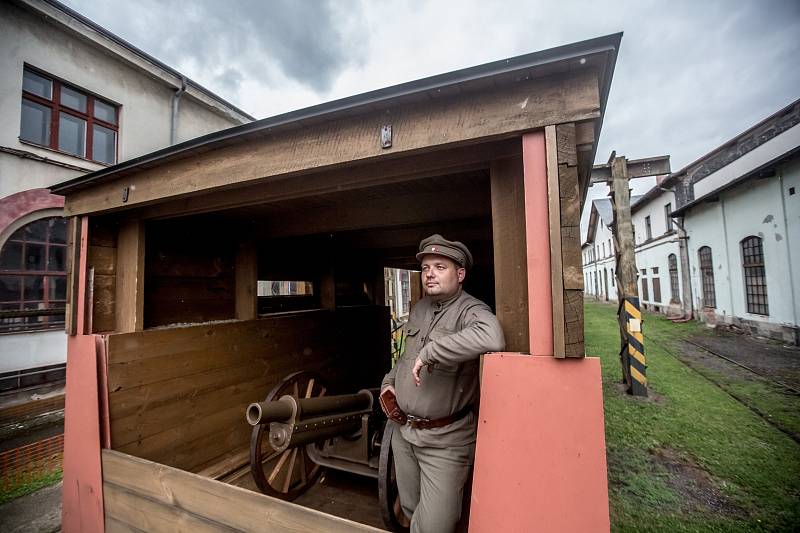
[438, 245]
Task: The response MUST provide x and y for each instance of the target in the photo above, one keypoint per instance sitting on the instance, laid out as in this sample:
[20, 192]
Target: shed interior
[209, 345]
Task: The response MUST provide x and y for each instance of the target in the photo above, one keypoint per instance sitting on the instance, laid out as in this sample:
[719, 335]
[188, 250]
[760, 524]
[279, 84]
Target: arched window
[707, 277]
[672, 261]
[33, 276]
[755, 279]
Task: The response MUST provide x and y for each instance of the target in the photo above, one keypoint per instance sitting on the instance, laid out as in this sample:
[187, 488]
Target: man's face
[440, 276]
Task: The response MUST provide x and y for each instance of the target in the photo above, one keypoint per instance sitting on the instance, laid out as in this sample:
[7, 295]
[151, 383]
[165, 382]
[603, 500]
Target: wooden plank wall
[141, 495]
[510, 252]
[178, 395]
[189, 272]
[102, 257]
[571, 264]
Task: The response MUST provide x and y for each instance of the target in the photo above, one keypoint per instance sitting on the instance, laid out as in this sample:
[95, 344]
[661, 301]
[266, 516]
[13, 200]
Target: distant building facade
[719, 240]
[75, 98]
[740, 206]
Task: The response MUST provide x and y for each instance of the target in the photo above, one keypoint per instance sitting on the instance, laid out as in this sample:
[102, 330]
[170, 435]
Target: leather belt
[418, 422]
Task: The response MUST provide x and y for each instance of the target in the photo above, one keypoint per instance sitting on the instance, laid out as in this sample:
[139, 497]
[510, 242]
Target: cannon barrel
[290, 408]
[296, 421]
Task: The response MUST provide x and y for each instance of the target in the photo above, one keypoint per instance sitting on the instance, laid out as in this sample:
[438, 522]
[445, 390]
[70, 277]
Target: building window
[33, 276]
[673, 279]
[604, 249]
[59, 116]
[648, 230]
[612, 277]
[755, 279]
[667, 218]
[405, 292]
[707, 276]
[610, 249]
[645, 287]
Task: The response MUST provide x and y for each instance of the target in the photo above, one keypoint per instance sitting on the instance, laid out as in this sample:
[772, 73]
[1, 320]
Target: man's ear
[462, 273]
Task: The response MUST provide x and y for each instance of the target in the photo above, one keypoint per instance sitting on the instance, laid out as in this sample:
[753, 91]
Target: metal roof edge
[608, 44]
[669, 180]
[786, 156]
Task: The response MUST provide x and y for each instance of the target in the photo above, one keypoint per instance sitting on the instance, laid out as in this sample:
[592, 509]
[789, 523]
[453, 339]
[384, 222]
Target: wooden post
[571, 264]
[556, 265]
[130, 277]
[629, 314]
[510, 260]
[246, 280]
[327, 290]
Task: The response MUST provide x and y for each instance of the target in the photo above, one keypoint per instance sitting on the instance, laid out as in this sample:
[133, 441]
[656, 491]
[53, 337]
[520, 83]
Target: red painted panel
[537, 232]
[82, 490]
[540, 462]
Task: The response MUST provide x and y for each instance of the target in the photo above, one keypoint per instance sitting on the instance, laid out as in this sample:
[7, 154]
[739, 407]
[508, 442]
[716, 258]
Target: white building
[657, 251]
[719, 240]
[741, 212]
[74, 98]
[599, 262]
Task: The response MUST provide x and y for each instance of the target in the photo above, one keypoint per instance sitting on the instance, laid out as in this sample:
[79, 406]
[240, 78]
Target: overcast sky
[690, 75]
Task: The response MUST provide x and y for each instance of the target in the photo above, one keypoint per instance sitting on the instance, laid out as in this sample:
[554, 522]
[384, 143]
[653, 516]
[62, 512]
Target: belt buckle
[416, 420]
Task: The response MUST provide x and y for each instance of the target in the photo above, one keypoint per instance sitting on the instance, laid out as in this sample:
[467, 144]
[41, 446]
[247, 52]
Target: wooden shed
[169, 339]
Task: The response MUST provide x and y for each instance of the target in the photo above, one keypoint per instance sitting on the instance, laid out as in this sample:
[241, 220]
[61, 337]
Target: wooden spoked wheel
[388, 496]
[288, 474]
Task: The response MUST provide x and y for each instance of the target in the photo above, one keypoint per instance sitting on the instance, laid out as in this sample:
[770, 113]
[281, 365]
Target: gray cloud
[246, 38]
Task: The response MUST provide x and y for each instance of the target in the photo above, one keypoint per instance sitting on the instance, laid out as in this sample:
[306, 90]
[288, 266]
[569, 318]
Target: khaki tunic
[449, 336]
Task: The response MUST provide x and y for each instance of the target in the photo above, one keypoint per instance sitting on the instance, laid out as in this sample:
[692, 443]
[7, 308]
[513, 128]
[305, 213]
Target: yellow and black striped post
[634, 367]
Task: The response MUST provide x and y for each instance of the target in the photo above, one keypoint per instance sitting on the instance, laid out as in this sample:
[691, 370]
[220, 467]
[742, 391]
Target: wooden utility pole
[617, 173]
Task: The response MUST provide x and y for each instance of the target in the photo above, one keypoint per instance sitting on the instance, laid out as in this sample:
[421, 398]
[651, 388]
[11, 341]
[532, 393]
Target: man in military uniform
[436, 387]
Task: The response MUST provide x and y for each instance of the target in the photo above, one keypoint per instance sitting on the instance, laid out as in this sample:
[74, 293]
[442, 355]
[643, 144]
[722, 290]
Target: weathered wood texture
[442, 121]
[510, 252]
[141, 495]
[554, 219]
[178, 395]
[129, 299]
[102, 258]
[73, 255]
[446, 161]
[571, 262]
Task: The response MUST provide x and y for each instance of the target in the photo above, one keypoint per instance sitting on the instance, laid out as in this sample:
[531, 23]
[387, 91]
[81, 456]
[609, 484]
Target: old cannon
[298, 431]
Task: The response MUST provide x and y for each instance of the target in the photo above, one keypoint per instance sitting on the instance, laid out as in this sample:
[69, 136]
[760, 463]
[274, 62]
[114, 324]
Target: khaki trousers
[431, 483]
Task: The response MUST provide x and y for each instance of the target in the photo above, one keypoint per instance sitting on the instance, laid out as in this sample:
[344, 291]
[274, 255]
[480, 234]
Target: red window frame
[29, 317]
[54, 104]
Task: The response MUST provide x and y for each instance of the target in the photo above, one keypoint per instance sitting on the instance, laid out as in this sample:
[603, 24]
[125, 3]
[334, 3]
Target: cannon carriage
[173, 331]
[298, 431]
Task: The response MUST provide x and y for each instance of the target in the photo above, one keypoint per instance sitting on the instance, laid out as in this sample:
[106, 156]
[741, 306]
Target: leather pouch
[390, 408]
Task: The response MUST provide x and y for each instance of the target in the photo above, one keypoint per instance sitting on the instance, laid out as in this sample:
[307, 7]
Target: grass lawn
[690, 457]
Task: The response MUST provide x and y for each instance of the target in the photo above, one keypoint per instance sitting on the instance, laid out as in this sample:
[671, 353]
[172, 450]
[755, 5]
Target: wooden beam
[413, 208]
[160, 498]
[537, 243]
[327, 289]
[637, 168]
[382, 172]
[556, 270]
[129, 300]
[510, 258]
[73, 269]
[246, 275]
[448, 121]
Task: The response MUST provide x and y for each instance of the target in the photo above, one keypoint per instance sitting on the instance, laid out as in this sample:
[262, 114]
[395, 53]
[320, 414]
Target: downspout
[787, 240]
[686, 277]
[176, 98]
